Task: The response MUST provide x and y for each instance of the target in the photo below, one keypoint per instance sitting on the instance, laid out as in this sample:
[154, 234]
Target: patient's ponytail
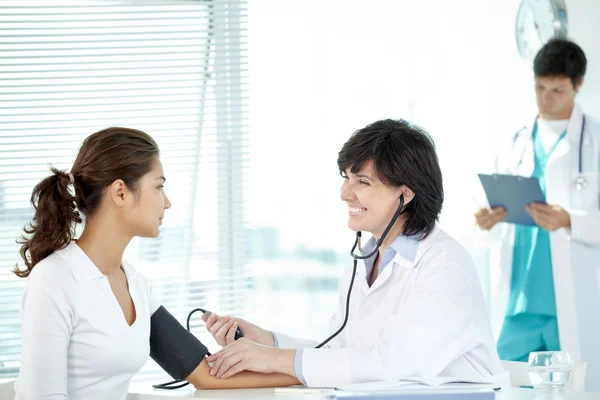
[53, 224]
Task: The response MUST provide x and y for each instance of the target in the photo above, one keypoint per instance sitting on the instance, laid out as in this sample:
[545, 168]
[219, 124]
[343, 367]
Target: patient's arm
[177, 351]
[201, 379]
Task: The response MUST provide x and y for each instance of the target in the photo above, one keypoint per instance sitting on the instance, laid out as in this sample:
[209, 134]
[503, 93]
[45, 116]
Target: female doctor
[548, 272]
[417, 308]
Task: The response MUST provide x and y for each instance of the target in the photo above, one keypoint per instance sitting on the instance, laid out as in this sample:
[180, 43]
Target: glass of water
[550, 370]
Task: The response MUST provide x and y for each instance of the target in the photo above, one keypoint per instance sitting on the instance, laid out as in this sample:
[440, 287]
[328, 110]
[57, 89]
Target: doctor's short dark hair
[402, 154]
[560, 57]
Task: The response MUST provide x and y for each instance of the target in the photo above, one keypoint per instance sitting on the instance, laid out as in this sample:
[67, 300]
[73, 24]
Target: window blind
[174, 69]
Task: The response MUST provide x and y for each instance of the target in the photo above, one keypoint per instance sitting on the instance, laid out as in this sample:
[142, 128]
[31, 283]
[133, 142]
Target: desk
[145, 392]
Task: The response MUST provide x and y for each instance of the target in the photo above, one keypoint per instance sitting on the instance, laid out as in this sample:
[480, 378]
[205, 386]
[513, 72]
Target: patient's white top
[76, 342]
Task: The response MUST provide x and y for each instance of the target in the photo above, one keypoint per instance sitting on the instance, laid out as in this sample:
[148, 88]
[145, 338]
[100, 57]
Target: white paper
[413, 383]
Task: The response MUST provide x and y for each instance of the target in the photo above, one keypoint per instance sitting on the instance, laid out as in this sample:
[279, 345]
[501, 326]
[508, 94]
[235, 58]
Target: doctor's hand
[245, 355]
[487, 218]
[549, 217]
[223, 330]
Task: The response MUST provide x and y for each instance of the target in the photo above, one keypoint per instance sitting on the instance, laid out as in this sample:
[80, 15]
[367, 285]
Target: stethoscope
[580, 181]
[176, 384]
[357, 257]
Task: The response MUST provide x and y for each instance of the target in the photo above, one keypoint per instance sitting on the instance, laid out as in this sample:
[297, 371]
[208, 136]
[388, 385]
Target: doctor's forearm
[201, 379]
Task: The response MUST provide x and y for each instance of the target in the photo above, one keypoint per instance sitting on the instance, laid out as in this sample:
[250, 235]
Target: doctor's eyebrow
[561, 87]
[364, 176]
[163, 178]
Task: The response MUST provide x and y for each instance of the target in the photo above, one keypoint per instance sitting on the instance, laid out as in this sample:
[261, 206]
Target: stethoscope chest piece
[580, 183]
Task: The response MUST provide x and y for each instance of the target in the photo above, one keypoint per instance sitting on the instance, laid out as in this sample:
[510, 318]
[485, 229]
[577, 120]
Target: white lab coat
[575, 253]
[420, 318]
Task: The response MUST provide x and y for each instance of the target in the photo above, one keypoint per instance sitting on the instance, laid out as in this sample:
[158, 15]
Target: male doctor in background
[550, 270]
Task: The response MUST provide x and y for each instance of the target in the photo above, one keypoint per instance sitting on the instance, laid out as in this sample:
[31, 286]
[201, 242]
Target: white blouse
[76, 341]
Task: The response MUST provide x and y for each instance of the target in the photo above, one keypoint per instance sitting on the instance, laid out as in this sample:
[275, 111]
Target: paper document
[432, 394]
[300, 389]
[410, 384]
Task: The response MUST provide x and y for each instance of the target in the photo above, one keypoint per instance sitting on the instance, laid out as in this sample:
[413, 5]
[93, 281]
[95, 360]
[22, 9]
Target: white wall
[584, 29]
[321, 69]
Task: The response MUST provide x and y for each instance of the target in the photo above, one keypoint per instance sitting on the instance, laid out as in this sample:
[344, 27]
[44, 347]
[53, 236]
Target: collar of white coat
[408, 249]
[573, 128]
[82, 268]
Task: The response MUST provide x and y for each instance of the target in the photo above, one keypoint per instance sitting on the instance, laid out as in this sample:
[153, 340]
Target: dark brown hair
[105, 156]
[560, 58]
[402, 154]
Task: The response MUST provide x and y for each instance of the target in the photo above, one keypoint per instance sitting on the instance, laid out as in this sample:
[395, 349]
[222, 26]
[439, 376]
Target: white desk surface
[145, 392]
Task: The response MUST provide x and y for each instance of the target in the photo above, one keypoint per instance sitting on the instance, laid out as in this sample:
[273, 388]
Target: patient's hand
[223, 330]
[201, 379]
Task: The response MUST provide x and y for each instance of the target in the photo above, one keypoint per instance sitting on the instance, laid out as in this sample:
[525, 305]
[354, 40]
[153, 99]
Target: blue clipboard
[513, 193]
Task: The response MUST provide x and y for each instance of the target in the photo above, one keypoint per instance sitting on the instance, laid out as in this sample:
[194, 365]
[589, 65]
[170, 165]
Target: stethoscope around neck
[362, 256]
[580, 181]
[381, 239]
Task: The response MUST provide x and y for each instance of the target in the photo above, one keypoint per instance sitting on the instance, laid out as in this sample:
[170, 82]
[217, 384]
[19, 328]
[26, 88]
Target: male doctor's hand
[223, 330]
[245, 355]
[549, 217]
[487, 218]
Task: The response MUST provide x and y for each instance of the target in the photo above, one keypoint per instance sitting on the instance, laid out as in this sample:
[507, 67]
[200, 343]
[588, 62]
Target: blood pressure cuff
[173, 347]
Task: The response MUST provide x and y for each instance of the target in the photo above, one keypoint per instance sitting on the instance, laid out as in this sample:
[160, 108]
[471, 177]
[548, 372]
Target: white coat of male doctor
[572, 216]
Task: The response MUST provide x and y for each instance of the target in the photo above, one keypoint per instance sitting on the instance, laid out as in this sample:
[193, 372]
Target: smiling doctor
[417, 309]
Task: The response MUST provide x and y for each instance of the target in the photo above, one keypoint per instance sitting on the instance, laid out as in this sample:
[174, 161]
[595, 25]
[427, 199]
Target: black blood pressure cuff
[174, 348]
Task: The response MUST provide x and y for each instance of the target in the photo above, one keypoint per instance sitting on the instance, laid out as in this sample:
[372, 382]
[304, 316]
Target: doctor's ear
[578, 85]
[407, 194]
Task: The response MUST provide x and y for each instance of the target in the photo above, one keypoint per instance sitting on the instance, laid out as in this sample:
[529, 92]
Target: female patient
[86, 314]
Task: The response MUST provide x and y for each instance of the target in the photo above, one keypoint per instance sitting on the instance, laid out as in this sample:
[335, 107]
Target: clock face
[537, 22]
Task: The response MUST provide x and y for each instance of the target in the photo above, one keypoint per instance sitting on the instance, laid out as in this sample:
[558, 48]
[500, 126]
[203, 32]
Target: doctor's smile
[356, 210]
